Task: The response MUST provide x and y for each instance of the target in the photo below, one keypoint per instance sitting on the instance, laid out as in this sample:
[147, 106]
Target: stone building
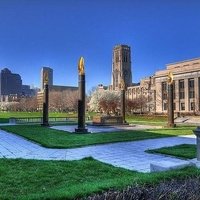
[144, 91]
[186, 88]
[153, 89]
[121, 66]
[52, 87]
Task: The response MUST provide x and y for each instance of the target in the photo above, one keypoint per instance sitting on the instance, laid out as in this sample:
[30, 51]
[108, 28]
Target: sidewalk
[128, 155]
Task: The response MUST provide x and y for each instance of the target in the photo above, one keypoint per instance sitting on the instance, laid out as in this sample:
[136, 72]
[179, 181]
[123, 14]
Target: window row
[181, 89]
[182, 106]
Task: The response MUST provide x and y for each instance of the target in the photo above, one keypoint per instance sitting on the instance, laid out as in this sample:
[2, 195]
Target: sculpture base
[81, 130]
[169, 125]
[45, 124]
[108, 120]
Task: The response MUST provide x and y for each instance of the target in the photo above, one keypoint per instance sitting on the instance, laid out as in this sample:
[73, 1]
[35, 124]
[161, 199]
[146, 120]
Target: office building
[10, 83]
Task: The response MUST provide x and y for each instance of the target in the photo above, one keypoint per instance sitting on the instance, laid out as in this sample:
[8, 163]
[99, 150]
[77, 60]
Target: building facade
[121, 66]
[52, 88]
[186, 88]
[10, 84]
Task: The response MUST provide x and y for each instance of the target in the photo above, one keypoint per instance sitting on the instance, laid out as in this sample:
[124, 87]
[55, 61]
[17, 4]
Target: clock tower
[121, 66]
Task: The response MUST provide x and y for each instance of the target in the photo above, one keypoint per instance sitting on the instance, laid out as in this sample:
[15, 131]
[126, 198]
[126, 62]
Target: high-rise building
[10, 84]
[121, 66]
[49, 73]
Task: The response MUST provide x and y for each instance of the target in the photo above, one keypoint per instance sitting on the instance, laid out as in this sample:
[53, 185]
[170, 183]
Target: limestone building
[153, 89]
[52, 87]
[121, 66]
[186, 88]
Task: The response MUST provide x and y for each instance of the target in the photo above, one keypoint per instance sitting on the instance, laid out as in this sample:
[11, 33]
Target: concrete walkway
[129, 155]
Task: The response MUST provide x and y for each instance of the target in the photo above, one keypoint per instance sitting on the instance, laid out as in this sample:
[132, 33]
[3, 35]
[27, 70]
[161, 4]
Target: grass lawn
[187, 151]
[60, 139]
[136, 119]
[147, 119]
[34, 179]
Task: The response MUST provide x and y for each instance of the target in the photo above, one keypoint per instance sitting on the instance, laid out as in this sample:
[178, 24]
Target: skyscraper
[121, 66]
[10, 84]
[49, 72]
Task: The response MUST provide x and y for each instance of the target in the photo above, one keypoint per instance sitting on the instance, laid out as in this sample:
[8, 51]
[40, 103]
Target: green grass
[147, 119]
[33, 114]
[187, 151]
[60, 139]
[150, 118]
[34, 179]
[137, 119]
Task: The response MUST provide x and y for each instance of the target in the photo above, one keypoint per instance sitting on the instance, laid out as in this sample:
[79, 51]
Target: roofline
[198, 58]
[121, 45]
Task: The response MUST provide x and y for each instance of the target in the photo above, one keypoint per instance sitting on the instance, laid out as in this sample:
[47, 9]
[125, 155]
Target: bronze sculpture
[81, 68]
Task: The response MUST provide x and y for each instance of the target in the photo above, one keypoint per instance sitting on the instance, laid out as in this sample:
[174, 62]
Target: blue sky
[55, 33]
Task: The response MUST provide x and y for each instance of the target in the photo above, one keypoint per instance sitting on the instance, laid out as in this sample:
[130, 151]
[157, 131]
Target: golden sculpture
[46, 79]
[81, 68]
[170, 78]
[122, 84]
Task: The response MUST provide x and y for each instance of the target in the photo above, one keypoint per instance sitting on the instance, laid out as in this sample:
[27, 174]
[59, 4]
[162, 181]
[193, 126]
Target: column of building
[186, 95]
[196, 93]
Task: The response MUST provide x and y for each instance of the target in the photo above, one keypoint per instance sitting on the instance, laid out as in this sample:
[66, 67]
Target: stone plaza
[128, 155]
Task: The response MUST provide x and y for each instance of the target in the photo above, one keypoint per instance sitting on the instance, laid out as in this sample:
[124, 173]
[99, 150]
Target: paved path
[100, 129]
[129, 155]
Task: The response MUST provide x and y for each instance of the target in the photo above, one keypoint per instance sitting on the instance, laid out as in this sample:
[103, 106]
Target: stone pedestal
[107, 120]
[45, 119]
[197, 133]
[81, 106]
[170, 106]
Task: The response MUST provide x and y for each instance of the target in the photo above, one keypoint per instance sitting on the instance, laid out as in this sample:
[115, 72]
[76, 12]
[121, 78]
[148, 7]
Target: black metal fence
[38, 120]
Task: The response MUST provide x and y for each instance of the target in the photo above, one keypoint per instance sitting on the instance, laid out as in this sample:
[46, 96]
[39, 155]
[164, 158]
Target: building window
[191, 88]
[182, 106]
[192, 106]
[164, 90]
[181, 89]
[164, 106]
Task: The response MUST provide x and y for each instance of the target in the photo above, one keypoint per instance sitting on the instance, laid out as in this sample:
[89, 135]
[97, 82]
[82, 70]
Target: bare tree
[63, 101]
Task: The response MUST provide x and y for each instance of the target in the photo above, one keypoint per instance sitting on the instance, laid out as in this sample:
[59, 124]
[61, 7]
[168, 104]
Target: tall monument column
[170, 101]
[81, 101]
[45, 119]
